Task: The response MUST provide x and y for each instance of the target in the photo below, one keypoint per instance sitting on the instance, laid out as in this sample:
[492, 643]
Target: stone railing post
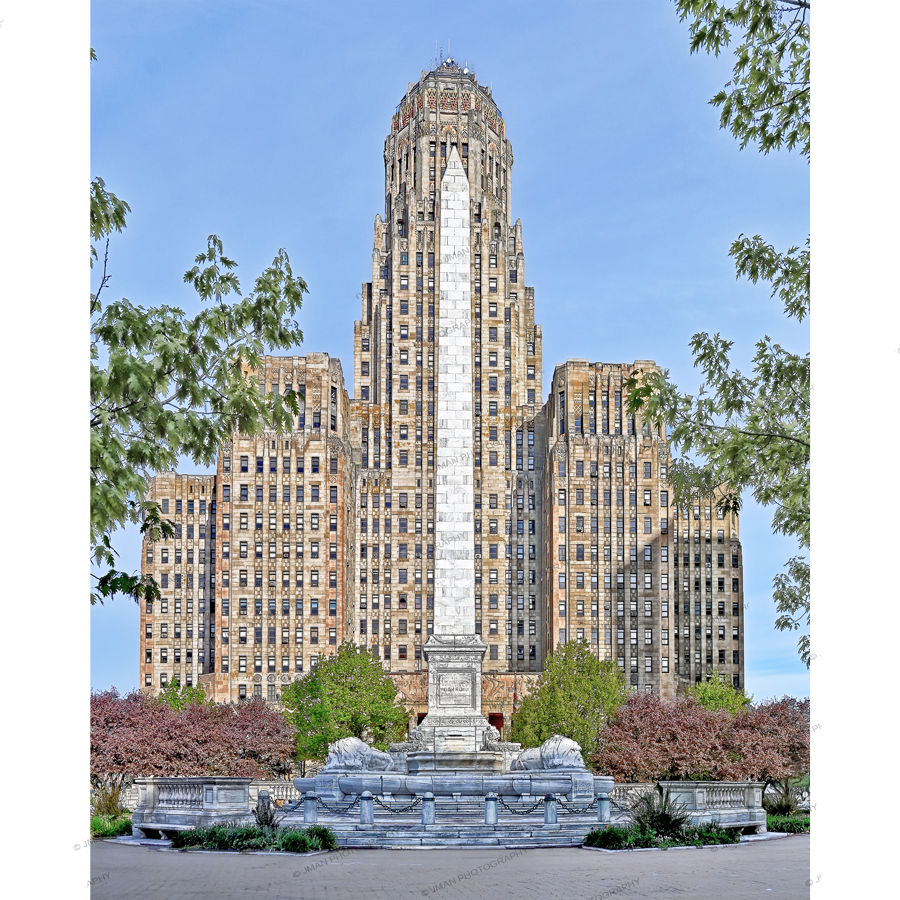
[310, 807]
[549, 810]
[603, 808]
[428, 809]
[490, 809]
[366, 809]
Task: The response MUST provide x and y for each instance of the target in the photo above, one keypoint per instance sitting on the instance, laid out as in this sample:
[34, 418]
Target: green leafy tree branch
[752, 432]
[348, 694]
[165, 384]
[574, 696]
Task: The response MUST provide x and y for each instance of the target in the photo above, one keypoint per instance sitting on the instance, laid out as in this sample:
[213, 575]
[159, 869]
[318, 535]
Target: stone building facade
[329, 532]
[177, 643]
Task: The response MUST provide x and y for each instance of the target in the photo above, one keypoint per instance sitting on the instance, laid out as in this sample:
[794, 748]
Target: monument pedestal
[431, 762]
[454, 725]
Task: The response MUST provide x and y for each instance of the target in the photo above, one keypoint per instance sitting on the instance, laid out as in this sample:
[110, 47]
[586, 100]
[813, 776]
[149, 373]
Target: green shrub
[107, 799]
[788, 824]
[783, 801]
[659, 814]
[267, 815]
[110, 826]
[631, 838]
[714, 833]
[254, 837]
[641, 838]
[325, 836]
[294, 841]
[612, 838]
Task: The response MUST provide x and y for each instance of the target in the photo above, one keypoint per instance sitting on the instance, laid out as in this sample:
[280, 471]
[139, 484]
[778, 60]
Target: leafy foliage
[574, 695]
[711, 833]
[110, 826]
[106, 798]
[165, 384]
[649, 739]
[266, 815]
[767, 101]
[719, 693]
[255, 837]
[291, 841]
[615, 837]
[752, 432]
[345, 695]
[786, 796]
[788, 824]
[138, 735]
[325, 836]
[180, 696]
[659, 813]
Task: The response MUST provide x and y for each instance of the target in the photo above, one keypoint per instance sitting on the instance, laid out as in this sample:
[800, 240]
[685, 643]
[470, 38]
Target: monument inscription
[456, 689]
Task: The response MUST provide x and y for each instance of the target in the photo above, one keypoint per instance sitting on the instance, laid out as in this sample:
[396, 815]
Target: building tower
[396, 343]
[302, 540]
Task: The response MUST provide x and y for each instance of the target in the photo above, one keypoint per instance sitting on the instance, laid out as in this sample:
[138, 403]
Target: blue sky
[264, 123]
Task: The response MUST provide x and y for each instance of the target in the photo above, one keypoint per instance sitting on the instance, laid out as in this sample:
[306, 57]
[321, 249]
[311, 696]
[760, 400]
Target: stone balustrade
[732, 804]
[166, 805]
[280, 791]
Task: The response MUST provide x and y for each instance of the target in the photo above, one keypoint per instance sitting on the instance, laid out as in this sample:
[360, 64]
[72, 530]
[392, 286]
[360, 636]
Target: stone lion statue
[356, 755]
[557, 752]
[561, 752]
[528, 760]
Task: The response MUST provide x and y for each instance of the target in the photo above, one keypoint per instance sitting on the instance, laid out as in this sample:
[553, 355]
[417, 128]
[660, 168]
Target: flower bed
[797, 824]
[255, 837]
[634, 837]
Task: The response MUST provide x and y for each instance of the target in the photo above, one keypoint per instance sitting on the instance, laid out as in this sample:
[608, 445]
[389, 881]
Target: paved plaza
[766, 869]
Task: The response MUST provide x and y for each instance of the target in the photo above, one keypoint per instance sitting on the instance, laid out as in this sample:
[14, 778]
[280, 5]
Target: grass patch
[639, 837]
[796, 824]
[110, 826]
[256, 837]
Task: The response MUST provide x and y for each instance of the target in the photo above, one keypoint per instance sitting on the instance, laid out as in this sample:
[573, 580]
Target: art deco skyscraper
[330, 532]
[394, 382]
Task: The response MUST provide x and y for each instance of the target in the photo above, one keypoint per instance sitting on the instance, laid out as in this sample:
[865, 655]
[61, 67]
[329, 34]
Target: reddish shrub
[652, 740]
[139, 736]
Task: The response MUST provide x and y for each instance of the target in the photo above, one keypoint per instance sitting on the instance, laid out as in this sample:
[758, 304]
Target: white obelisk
[454, 724]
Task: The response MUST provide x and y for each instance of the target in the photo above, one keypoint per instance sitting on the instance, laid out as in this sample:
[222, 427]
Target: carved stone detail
[557, 752]
[353, 754]
[418, 741]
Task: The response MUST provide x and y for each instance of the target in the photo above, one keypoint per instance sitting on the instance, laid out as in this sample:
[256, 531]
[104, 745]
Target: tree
[752, 433]
[649, 739]
[165, 384]
[718, 692]
[346, 695]
[574, 695]
[180, 696]
[137, 735]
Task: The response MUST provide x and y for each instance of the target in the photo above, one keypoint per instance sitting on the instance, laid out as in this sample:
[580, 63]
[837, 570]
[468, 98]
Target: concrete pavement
[767, 869]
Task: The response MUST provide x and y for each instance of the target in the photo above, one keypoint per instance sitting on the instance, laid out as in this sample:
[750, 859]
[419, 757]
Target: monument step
[456, 834]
